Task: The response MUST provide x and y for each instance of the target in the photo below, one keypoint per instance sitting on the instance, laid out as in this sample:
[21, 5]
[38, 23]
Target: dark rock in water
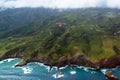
[110, 76]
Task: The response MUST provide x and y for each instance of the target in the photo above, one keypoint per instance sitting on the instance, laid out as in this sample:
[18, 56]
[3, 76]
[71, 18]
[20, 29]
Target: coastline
[105, 71]
[79, 60]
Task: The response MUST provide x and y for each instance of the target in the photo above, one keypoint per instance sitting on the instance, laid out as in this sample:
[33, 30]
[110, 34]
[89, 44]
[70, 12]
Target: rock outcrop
[110, 76]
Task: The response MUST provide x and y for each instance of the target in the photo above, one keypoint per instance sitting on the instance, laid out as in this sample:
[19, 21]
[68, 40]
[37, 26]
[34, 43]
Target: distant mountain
[51, 35]
[2, 9]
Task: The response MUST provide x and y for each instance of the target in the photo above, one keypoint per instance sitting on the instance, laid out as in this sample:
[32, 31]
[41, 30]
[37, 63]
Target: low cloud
[60, 3]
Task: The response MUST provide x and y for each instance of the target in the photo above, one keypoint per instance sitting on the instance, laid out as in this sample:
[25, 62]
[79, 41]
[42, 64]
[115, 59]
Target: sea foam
[27, 70]
[63, 67]
[1, 62]
[72, 72]
[58, 75]
[9, 60]
[41, 64]
[103, 71]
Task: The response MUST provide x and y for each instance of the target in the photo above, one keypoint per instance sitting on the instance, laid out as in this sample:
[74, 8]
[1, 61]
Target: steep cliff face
[111, 62]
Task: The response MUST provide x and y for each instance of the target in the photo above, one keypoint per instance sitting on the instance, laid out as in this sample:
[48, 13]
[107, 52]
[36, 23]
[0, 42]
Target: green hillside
[39, 32]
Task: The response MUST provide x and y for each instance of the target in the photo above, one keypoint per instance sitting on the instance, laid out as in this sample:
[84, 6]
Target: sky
[60, 3]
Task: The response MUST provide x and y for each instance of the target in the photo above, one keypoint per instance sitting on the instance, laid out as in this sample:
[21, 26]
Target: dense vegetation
[38, 32]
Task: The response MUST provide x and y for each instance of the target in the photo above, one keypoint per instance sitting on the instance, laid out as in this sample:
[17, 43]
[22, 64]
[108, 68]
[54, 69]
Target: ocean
[38, 71]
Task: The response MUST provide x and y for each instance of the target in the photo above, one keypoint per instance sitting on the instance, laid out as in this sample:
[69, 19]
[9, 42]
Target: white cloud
[59, 3]
[113, 3]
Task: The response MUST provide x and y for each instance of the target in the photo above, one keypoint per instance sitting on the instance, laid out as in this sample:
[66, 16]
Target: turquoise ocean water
[38, 71]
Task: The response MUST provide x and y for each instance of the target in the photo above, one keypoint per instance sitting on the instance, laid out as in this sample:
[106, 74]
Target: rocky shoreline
[78, 59]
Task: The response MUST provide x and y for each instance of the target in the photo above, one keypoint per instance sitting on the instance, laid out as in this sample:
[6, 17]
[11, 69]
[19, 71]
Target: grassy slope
[93, 32]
